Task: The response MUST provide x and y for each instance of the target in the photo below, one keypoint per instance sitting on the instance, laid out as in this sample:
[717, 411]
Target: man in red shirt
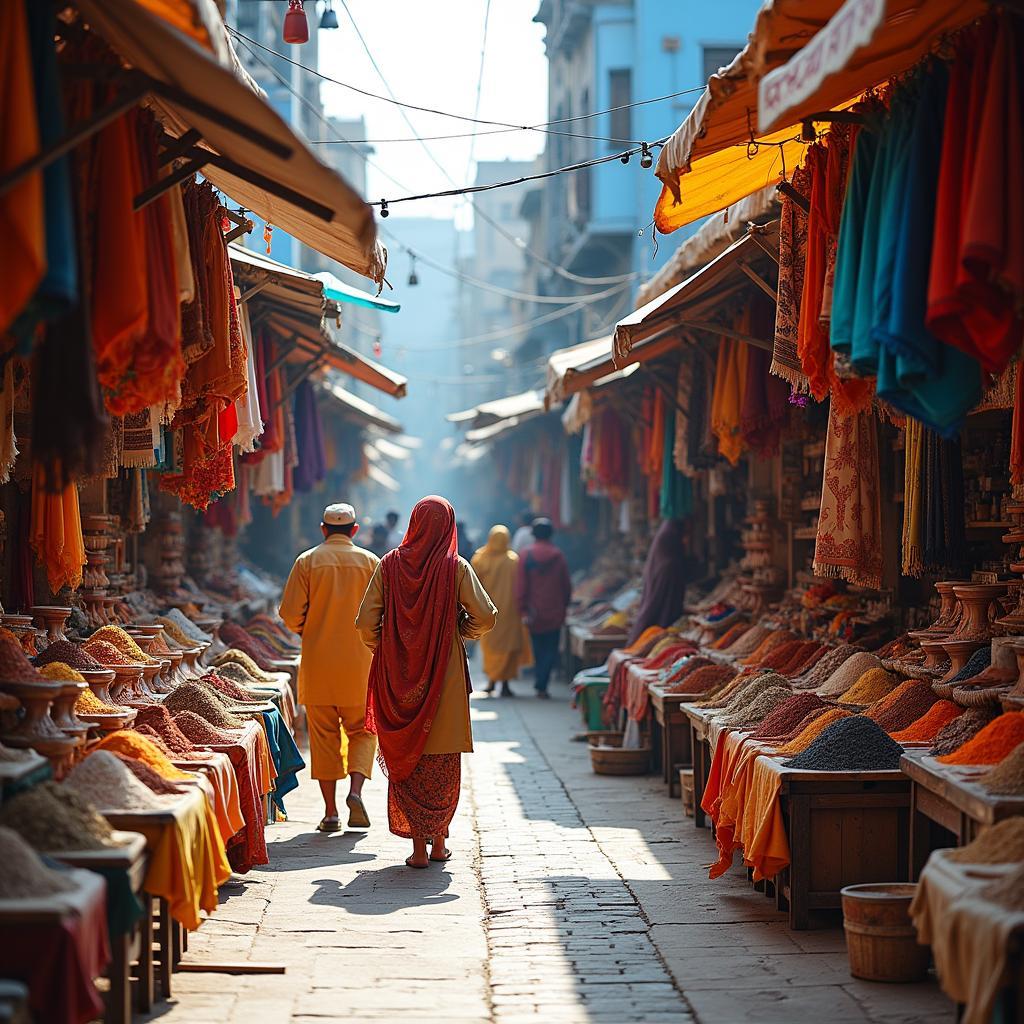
[543, 591]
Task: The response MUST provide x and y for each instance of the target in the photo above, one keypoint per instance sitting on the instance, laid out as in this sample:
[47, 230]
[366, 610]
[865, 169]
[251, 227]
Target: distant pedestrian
[506, 649]
[379, 541]
[543, 592]
[421, 604]
[464, 541]
[319, 603]
[394, 533]
[523, 537]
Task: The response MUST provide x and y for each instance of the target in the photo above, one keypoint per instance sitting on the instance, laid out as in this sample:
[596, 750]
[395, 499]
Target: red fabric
[543, 587]
[423, 805]
[408, 668]
[977, 267]
[247, 848]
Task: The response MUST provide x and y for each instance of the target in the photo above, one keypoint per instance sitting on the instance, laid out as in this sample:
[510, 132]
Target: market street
[571, 897]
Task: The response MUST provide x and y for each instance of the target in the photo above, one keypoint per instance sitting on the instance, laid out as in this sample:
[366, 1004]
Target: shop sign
[787, 86]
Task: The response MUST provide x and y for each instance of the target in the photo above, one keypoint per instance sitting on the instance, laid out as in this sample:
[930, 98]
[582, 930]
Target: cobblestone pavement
[571, 897]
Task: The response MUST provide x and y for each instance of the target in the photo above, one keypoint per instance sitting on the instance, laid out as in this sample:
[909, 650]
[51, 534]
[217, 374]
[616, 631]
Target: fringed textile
[913, 552]
[792, 257]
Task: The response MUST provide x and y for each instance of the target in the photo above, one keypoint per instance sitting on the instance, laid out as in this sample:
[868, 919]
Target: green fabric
[590, 700]
[124, 907]
[676, 489]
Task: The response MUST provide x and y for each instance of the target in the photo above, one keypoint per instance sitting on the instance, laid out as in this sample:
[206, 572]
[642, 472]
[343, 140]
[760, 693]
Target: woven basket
[978, 696]
[1012, 702]
[604, 738]
[944, 690]
[620, 761]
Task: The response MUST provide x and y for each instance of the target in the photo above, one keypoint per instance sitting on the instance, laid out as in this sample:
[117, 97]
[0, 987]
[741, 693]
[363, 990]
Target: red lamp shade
[296, 27]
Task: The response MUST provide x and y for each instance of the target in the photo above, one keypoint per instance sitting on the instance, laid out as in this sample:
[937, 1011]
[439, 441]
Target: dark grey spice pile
[961, 729]
[787, 715]
[976, 664]
[851, 744]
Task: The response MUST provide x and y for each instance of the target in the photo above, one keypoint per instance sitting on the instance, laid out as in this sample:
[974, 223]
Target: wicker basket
[979, 696]
[620, 761]
[604, 738]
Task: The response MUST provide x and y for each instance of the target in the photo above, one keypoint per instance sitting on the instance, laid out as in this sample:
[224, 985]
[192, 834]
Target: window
[716, 57]
[620, 94]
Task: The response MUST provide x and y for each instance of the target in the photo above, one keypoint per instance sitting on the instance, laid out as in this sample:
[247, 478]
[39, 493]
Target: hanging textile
[945, 533]
[247, 408]
[137, 449]
[913, 452]
[1017, 439]
[849, 541]
[976, 285]
[681, 435]
[58, 288]
[701, 443]
[792, 257]
[312, 464]
[765, 409]
[676, 490]
[8, 440]
[22, 217]
[56, 532]
[727, 399]
[138, 512]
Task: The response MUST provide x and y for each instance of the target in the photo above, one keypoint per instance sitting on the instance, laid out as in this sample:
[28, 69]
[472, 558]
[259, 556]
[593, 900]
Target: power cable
[479, 85]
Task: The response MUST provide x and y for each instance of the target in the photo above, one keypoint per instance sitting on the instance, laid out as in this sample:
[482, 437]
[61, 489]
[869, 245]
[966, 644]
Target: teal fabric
[676, 489]
[285, 755]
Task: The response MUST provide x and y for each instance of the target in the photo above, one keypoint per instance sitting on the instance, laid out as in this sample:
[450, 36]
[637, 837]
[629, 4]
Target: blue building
[605, 55]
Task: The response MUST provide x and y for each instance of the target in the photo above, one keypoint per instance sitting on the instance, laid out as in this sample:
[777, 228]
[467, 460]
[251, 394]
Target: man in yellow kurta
[320, 602]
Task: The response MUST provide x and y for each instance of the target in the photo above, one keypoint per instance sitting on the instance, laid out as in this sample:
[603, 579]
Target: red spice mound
[904, 706]
[157, 740]
[234, 636]
[703, 679]
[731, 635]
[159, 719]
[993, 743]
[74, 655]
[14, 664]
[106, 653]
[789, 715]
[781, 654]
[198, 730]
[229, 688]
[928, 726]
[811, 716]
[154, 780]
[769, 643]
[810, 659]
[687, 668]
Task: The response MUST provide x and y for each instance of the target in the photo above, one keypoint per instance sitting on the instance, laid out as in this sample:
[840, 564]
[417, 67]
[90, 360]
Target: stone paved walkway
[571, 897]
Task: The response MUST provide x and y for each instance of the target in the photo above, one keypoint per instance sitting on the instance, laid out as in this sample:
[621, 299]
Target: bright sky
[430, 55]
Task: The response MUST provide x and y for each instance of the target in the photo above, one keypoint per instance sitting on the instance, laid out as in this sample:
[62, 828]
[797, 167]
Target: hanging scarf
[792, 258]
[684, 412]
[312, 464]
[913, 451]
[417, 630]
[137, 451]
[727, 400]
[8, 441]
[56, 532]
[849, 541]
[676, 491]
[247, 408]
[765, 408]
[945, 539]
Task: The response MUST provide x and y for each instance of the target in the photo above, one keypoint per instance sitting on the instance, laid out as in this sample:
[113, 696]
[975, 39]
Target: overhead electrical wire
[440, 267]
[479, 83]
[539, 127]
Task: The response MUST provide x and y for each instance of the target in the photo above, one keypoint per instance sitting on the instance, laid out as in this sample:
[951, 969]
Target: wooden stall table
[58, 946]
[587, 648]
[130, 857]
[949, 796]
[844, 828]
[700, 755]
[672, 733]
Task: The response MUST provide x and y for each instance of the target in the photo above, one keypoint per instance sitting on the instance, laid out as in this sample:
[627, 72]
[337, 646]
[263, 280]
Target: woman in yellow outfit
[506, 649]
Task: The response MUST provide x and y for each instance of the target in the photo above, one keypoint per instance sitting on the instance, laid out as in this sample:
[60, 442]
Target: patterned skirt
[423, 805]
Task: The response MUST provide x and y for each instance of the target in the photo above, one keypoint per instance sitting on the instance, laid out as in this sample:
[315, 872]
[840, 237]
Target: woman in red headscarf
[422, 603]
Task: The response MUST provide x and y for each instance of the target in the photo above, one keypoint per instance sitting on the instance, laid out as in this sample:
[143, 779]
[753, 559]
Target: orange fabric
[22, 223]
[227, 807]
[56, 536]
[643, 639]
[727, 399]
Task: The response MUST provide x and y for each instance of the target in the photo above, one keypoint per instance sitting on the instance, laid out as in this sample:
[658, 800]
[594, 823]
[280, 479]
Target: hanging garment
[849, 540]
[913, 452]
[8, 440]
[792, 258]
[945, 534]
[676, 490]
[312, 466]
[247, 408]
[22, 217]
[681, 435]
[56, 533]
[765, 409]
[727, 399]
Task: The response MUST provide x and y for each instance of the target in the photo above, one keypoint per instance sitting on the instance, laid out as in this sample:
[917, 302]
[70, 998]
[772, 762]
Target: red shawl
[408, 668]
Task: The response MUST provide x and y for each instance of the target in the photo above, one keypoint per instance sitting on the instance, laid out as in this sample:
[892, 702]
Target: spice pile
[873, 685]
[1002, 843]
[961, 729]
[829, 662]
[54, 818]
[159, 720]
[243, 659]
[68, 653]
[104, 780]
[199, 730]
[152, 780]
[1007, 777]
[851, 744]
[702, 680]
[187, 626]
[58, 672]
[107, 654]
[230, 689]
[746, 688]
[976, 664]
[748, 642]
[926, 728]
[198, 699]
[14, 664]
[87, 703]
[129, 743]
[847, 674]
[904, 706]
[25, 876]
[762, 705]
[788, 715]
[767, 645]
[176, 633]
[992, 743]
[731, 635]
[124, 642]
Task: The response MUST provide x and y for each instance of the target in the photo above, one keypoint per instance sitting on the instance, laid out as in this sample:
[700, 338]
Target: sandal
[329, 824]
[357, 816]
[409, 864]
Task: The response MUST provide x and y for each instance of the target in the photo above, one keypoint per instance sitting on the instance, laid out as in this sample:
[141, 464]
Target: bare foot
[439, 850]
[419, 858]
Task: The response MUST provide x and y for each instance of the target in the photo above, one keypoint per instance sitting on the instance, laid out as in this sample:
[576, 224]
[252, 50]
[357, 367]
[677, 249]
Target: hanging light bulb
[296, 27]
[625, 157]
[646, 158]
[329, 19]
[413, 278]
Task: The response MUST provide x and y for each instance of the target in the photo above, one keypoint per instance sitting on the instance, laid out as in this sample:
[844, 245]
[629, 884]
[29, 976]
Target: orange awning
[723, 152]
